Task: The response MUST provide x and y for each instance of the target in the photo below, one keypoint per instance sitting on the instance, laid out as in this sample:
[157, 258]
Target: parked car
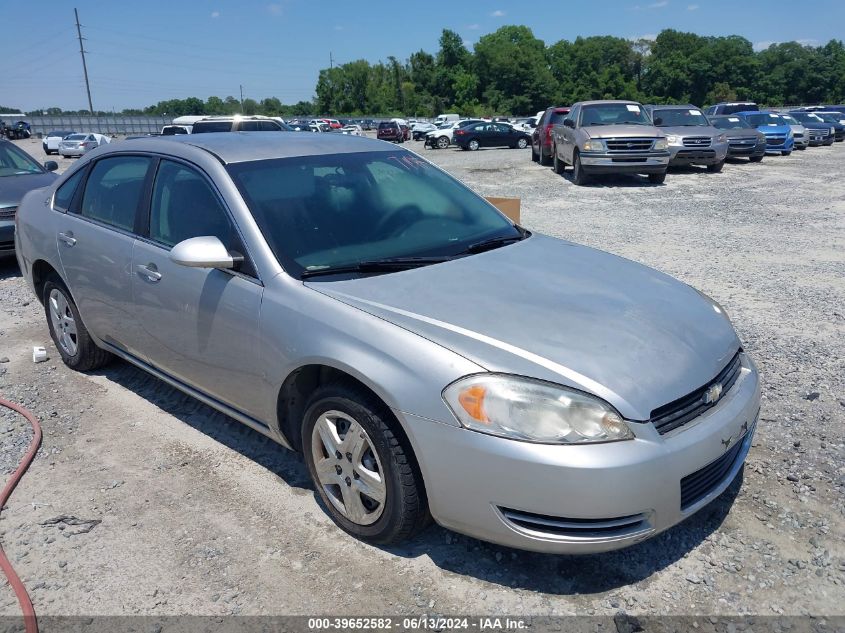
[239, 123]
[352, 301]
[526, 124]
[390, 131]
[79, 144]
[609, 137]
[447, 118]
[819, 131]
[835, 121]
[419, 130]
[51, 141]
[799, 132]
[406, 131]
[744, 140]
[692, 140]
[173, 130]
[442, 137]
[478, 135]
[352, 130]
[778, 133]
[541, 136]
[732, 107]
[20, 173]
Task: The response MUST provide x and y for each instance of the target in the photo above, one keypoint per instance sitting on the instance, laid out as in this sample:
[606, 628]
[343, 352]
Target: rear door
[199, 325]
[95, 242]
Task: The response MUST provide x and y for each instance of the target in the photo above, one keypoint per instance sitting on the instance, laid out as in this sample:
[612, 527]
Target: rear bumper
[71, 151]
[583, 499]
[621, 163]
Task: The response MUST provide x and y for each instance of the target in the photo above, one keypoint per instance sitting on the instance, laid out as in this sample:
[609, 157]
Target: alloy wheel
[64, 325]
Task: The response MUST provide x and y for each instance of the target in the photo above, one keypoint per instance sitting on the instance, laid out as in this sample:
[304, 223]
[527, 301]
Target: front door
[200, 325]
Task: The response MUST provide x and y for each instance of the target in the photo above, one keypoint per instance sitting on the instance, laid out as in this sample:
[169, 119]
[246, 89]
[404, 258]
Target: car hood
[690, 130]
[775, 129]
[561, 312]
[621, 131]
[13, 188]
[740, 132]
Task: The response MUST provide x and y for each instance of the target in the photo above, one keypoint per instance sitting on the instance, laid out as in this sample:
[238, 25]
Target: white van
[446, 118]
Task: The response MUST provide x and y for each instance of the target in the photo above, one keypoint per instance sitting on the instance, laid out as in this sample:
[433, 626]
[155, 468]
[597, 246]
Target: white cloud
[498, 13]
[275, 8]
[215, 14]
[808, 41]
[761, 46]
[474, 27]
[658, 5]
[692, 7]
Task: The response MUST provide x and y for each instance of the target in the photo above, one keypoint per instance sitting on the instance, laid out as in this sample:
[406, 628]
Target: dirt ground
[182, 510]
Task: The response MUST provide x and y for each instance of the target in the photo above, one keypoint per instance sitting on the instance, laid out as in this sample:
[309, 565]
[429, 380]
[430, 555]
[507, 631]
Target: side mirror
[203, 252]
[658, 121]
[51, 165]
[569, 123]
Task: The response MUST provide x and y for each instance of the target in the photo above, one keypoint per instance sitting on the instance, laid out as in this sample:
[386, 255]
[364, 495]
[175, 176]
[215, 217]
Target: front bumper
[7, 238]
[682, 155]
[623, 492]
[787, 146]
[744, 151]
[624, 163]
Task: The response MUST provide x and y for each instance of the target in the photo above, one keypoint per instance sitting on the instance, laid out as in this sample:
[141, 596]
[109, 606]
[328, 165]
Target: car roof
[239, 147]
[673, 106]
[600, 101]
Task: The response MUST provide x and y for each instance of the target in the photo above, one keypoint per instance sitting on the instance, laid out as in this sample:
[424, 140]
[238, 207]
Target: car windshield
[59, 133]
[14, 162]
[680, 117]
[764, 118]
[789, 119]
[337, 210]
[613, 114]
[828, 117]
[76, 137]
[728, 122]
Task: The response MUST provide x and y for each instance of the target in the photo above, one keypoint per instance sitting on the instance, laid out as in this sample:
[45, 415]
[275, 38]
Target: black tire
[442, 142]
[534, 157]
[558, 166]
[544, 160]
[715, 168]
[801, 147]
[755, 159]
[473, 145]
[87, 355]
[657, 179]
[786, 153]
[578, 176]
[522, 143]
[405, 510]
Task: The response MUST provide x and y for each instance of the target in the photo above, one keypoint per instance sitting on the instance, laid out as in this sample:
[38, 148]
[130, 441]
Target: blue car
[779, 139]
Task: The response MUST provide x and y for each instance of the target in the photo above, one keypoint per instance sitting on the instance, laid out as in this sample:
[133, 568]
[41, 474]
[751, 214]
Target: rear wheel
[544, 159]
[522, 143]
[657, 179]
[77, 349]
[442, 142]
[557, 164]
[755, 159]
[578, 175]
[715, 168]
[473, 145]
[363, 472]
[534, 156]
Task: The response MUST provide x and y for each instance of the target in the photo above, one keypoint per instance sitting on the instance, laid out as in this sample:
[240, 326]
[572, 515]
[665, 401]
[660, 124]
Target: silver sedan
[79, 144]
[427, 356]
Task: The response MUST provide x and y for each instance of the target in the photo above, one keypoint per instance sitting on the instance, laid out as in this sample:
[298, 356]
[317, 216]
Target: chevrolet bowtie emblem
[713, 393]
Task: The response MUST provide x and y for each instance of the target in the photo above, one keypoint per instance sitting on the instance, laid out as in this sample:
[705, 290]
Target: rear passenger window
[250, 126]
[114, 189]
[269, 126]
[64, 194]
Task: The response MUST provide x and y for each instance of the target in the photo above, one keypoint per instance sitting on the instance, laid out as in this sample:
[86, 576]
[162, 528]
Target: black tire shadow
[612, 180]
[9, 268]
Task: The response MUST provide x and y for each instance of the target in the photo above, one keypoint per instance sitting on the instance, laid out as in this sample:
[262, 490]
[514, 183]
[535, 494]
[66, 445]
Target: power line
[84, 65]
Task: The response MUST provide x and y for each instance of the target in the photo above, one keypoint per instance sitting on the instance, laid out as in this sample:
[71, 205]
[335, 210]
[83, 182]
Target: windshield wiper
[389, 264]
[495, 242]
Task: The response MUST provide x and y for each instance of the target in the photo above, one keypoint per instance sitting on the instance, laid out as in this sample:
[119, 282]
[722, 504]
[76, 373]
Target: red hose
[30, 622]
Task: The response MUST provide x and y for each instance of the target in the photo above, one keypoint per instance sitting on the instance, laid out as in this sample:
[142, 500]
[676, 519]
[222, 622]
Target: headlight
[533, 411]
[721, 138]
[661, 144]
[674, 140]
[594, 146]
[832, 130]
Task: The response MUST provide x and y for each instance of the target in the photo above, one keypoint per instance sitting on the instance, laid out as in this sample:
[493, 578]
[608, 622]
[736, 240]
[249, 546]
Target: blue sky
[144, 52]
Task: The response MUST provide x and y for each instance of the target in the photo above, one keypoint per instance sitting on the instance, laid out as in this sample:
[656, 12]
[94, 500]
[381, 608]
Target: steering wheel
[397, 219]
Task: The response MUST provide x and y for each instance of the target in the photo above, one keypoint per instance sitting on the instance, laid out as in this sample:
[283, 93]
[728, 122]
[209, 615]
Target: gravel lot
[188, 512]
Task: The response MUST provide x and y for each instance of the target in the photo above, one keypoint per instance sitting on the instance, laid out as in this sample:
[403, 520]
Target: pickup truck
[609, 137]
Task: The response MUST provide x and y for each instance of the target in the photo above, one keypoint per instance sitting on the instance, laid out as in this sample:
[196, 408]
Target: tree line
[510, 71]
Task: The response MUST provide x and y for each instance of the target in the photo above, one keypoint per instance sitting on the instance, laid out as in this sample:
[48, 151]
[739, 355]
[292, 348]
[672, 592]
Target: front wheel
[786, 153]
[363, 472]
[578, 175]
[77, 349]
[443, 142]
[715, 168]
[657, 179]
[755, 159]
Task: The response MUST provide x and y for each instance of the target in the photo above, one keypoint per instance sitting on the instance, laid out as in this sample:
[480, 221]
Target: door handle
[67, 238]
[149, 271]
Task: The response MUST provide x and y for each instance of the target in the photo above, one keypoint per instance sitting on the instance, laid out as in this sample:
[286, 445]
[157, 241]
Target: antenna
[84, 65]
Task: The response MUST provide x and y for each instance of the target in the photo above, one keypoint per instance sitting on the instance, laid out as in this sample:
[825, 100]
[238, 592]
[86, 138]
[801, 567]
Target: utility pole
[84, 65]
[331, 60]
[242, 99]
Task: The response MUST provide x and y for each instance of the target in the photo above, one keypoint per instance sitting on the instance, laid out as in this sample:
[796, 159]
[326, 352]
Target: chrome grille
[697, 141]
[8, 212]
[681, 411]
[629, 144]
[743, 141]
[775, 140]
[578, 528]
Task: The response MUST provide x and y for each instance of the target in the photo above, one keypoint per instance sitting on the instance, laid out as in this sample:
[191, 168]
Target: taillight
[548, 128]
[460, 132]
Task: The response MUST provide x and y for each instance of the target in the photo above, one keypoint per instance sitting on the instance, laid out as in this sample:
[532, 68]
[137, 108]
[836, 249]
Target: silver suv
[609, 137]
[354, 302]
[238, 123]
[692, 140]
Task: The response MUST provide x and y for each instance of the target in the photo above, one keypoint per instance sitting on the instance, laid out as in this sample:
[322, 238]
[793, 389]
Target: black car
[835, 121]
[820, 131]
[472, 137]
[744, 140]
